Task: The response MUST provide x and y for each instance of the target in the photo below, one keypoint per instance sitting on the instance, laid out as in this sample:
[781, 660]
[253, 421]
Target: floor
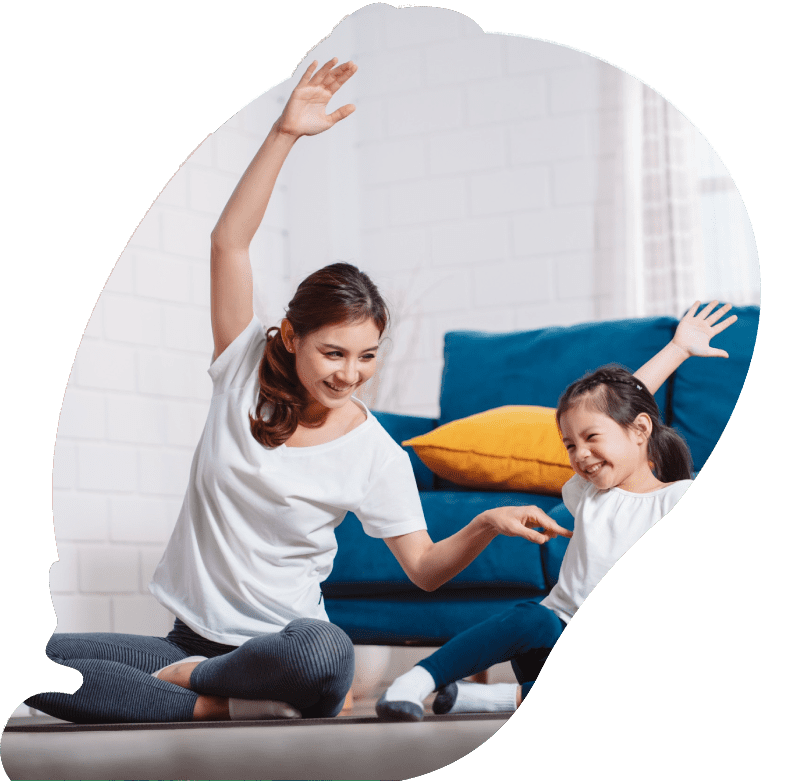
[356, 745]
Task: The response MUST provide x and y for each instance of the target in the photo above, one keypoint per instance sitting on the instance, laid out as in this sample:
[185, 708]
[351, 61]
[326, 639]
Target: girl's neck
[643, 481]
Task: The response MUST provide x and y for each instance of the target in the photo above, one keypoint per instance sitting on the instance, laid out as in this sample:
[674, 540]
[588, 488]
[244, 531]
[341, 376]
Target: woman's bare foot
[209, 708]
[179, 673]
[212, 708]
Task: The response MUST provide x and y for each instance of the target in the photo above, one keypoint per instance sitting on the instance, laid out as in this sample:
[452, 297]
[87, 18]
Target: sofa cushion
[516, 448]
[419, 618]
[366, 566]
[483, 371]
[402, 427]
[705, 390]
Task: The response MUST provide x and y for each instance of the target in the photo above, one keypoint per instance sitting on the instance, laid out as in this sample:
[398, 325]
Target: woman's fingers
[320, 75]
[533, 536]
[337, 77]
[341, 113]
[306, 77]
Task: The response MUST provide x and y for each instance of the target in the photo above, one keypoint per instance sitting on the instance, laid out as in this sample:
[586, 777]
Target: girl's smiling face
[334, 360]
[605, 453]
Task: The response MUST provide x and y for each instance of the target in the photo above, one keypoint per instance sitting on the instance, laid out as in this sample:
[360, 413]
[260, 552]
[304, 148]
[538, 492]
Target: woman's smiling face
[335, 360]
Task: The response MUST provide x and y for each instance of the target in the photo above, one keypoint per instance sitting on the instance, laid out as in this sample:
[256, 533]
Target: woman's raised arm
[231, 274]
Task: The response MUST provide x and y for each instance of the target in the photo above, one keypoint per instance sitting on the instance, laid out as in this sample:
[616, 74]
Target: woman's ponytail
[279, 388]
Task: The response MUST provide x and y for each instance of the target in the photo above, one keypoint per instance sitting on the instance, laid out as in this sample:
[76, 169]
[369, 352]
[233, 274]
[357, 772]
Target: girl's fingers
[692, 309]
[721, 312]
[724, 324]
[708, 309]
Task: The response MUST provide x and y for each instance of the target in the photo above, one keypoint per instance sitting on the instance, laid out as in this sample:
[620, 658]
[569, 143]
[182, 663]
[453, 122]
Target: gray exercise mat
[18, 725]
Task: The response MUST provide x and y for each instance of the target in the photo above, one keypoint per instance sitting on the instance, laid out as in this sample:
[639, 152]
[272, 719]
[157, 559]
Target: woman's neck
[314, 414]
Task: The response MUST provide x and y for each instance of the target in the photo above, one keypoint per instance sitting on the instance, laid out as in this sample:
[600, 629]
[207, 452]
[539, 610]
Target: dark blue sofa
[367, 593]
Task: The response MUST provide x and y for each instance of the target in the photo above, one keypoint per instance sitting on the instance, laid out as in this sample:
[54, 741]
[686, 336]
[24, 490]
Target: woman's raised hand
[696, 330]
[305, 111]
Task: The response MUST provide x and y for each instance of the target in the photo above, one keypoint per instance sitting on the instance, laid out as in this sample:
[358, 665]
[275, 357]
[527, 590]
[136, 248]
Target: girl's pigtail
[278, 388]
[669, 454]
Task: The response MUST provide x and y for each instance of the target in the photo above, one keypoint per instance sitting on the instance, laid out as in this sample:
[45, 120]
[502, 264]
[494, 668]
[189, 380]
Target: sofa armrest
[402, 427]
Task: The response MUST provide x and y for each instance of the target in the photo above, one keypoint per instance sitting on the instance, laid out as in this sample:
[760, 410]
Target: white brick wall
[478, 165]
[138, 394]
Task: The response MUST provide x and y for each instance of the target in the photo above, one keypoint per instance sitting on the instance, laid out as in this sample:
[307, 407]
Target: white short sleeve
[392, 505]
[572, 492]
[235, 364]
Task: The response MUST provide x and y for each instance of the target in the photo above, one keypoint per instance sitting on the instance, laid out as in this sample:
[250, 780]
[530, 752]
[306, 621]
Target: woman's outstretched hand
[305, 113]
[521, 522]
[696, 330]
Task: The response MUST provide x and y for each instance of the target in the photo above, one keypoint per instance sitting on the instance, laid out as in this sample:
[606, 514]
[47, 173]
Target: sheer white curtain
[671, 227]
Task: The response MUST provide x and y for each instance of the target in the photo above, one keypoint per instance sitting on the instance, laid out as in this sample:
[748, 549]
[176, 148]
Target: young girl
[285, 453]
[630, 470]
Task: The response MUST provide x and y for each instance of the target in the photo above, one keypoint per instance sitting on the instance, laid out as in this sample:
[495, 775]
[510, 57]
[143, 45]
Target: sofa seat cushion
[705, 390]
[366, 566]
[483, 371]
[419, 618]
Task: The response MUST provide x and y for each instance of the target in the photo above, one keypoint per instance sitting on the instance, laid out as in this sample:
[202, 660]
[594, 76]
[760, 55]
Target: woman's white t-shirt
[255, 535]
[607, 524]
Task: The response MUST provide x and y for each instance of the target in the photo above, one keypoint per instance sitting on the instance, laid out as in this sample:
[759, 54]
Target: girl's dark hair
[336, 294]
[615, 392]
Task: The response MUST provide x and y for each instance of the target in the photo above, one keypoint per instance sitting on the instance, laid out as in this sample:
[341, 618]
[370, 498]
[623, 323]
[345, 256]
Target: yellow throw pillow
[511, 448]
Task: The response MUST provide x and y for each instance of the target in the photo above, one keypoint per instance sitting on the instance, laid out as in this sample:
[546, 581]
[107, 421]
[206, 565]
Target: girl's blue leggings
[309, 664]
[524, 635]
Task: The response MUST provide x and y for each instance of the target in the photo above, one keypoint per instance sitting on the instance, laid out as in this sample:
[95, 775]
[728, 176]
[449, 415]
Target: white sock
[242, 710]
[485, 698]
[413, 686]
[182, 661]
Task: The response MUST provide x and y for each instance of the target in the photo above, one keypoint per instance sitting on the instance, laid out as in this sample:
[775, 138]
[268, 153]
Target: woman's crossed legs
[309, 665]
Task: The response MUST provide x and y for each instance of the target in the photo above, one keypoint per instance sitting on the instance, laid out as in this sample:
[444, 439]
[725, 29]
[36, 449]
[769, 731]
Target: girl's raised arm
[692, 337]
[231, 274]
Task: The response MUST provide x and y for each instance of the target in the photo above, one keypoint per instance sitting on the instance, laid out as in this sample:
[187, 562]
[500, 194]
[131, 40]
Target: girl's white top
[255, 535]
[607, 524]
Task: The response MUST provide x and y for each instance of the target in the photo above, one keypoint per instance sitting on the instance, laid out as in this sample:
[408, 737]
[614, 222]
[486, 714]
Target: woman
[285, 453]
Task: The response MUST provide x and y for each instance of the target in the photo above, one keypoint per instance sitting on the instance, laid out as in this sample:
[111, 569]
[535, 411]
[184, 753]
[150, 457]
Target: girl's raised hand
[696, 330]
[305, 113]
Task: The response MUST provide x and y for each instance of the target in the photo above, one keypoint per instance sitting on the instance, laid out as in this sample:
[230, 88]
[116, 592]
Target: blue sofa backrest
[703, 393]
[483, 371]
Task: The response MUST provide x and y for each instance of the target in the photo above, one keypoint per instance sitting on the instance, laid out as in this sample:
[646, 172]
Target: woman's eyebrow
[342, 349]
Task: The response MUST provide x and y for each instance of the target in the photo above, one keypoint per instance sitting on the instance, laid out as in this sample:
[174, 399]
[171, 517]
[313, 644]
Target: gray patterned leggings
[309, 664]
